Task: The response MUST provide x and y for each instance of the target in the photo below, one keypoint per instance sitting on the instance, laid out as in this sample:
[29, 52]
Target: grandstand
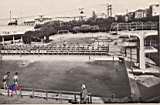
[69, 47]
[54, 50]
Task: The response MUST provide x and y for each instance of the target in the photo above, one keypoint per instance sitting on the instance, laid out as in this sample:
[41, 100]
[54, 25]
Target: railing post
[75, 98]
[13, 39]
[3, 41]
[80, 98]
[20, 92]
[113, 57]
[90, 100]
[159, 41]
[46, 95]
[113, 96]
[33, 93]
[8, 91]
[60, 97]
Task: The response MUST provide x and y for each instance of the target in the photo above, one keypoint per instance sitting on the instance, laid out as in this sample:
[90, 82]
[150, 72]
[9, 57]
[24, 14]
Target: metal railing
[133, 26]
[70, 96]
[54, 50]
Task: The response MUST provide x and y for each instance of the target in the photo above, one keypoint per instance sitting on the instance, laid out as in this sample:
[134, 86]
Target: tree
[27, 37]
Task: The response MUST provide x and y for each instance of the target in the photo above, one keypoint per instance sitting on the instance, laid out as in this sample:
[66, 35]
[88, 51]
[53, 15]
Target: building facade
[130, 16]
[140, 13]
[155, 9]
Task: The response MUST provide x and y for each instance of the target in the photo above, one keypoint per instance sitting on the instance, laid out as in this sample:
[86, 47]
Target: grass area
[71, 41]
[102, 78]
[86, 40]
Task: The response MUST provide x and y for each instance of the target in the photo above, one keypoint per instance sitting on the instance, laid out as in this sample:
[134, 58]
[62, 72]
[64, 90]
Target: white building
[37, 20]
[14, 32]
[155, 9]
[140, 13]
[9, 30]
[29, 22]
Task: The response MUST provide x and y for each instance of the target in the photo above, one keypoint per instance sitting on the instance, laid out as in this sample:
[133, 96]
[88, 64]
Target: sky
[53, 8]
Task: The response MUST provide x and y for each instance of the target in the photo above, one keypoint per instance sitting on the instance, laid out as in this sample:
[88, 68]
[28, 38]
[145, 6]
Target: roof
[10, 30]
[140, 10]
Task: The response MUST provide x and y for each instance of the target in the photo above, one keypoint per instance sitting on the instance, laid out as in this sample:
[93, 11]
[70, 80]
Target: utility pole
[159, 41]
[1, 45]
[109, 10]
[10, 15]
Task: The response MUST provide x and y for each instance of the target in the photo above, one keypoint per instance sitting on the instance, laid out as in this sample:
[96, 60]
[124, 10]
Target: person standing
[15, 78]
[6, 80]
[84, 94]
[15, 82]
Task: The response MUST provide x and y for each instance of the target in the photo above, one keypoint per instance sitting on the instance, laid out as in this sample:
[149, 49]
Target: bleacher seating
[56, 49]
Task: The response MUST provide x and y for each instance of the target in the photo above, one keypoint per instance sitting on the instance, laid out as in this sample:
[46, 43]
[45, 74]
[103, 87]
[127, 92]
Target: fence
[70, 96]
[133, 26]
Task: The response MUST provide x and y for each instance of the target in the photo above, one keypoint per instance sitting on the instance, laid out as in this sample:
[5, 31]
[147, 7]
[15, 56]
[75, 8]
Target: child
[14, 86]
[15, 78]
[6, 80]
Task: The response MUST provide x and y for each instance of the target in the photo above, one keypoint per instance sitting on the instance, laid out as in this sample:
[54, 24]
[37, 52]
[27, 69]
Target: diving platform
[141, 35]
[150, 49]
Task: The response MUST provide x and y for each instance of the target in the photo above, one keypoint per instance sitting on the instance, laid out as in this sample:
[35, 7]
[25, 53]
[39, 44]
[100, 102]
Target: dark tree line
[93, 24]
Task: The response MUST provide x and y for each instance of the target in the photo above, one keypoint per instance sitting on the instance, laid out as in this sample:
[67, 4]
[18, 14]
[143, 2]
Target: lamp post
[0, 53]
